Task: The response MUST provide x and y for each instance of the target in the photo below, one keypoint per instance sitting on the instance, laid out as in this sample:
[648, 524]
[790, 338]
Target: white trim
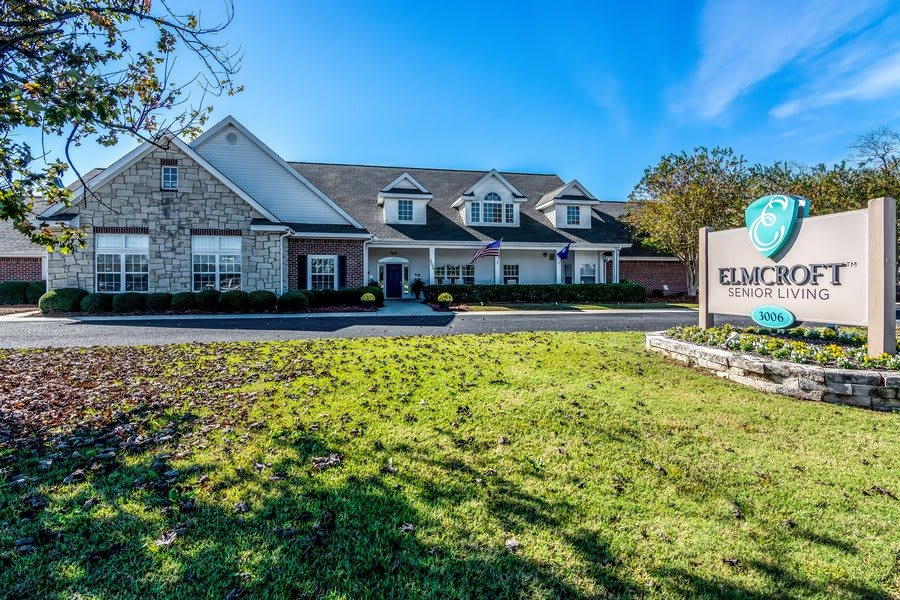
[495, 173]
[309, 272]
[409, 178]
[126, 161]
[339, 236]
[648, 259]
[230, 120]
[393, 260]
[162, 178]
[553, 197]
[376, 243]
[8, 254]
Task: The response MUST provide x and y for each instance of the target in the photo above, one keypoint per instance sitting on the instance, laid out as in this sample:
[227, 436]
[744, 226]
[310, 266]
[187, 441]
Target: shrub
[36, 289]
[367, 299]
[293, 301]
[208, 300]
[445, 297]
[159, 302]
[13, 292]
[61, 300]
[343, 296]
[263, 301]
[234, 301]
[184, 301]
[129, 302]
[540, 293]
[96, 303]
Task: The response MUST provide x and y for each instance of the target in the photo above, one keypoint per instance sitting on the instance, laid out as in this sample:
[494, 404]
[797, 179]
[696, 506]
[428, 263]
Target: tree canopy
[96, 70]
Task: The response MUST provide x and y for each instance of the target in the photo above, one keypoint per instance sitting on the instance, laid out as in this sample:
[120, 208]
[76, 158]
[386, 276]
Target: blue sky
[595, 91]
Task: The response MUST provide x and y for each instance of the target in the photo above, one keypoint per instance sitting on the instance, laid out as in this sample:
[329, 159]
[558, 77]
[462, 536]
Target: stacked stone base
[878, 390]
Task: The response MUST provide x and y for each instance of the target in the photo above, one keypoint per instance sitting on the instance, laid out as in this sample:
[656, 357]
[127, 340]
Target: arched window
[493, 208]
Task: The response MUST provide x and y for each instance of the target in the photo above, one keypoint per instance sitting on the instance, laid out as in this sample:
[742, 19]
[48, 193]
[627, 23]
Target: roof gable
[492, 174]
[571, 193]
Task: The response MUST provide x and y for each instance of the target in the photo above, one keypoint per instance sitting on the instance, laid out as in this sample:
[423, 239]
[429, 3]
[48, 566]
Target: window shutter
[301, 272]
[342, 271]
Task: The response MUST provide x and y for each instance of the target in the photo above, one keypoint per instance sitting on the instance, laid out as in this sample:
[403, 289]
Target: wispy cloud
[744, 43]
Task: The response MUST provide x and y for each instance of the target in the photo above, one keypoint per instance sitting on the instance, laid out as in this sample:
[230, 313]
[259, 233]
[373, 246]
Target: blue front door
[393, 287]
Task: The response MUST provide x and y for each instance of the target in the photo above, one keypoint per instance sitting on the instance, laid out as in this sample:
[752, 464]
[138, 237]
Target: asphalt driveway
[26, 333]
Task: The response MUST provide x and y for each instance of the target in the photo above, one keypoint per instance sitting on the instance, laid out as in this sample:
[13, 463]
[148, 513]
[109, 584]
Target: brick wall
[652, 274]
[20, 268]
[352, 249]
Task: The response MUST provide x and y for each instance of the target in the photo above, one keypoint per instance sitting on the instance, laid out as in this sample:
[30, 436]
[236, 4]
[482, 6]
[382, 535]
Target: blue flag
[564, 253]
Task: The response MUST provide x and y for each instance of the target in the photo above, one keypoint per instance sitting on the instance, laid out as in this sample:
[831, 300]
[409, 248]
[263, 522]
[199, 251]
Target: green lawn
[576, 307]
[405, 468]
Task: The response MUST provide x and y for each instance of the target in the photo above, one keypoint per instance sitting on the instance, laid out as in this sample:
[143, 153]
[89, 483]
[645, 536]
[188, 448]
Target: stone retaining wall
[879, 390]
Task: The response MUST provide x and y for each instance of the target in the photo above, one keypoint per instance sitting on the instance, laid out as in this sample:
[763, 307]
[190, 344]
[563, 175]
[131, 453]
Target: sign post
[785, 267]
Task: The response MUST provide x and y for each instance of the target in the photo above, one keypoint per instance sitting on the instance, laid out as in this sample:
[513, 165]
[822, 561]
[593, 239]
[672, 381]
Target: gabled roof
[135, 155]
[492, 173]
[392, 189]
[571, 193]
[230, 120]
[353, 186]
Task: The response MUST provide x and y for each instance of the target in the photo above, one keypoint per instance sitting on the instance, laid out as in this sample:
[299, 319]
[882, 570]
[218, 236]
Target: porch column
[366, 264]
[558, 269]
[601, 267]
[496, 269]
[615, 268]
[431, 265]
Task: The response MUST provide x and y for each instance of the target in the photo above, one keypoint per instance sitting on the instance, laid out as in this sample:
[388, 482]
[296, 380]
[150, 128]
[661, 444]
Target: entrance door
[393, 286]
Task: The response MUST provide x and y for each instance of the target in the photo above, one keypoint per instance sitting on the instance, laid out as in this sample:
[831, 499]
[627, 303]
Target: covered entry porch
[395, 266]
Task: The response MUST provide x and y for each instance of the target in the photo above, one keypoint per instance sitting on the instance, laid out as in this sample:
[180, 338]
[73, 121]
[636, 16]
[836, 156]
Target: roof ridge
[338, 164]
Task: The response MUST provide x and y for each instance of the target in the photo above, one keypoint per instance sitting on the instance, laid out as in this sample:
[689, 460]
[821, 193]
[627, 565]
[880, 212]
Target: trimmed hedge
[184, 301]
[208, 300]
[263, 301]
[293, 301]
[36, 289]
[96, 303]
[129, 302]
[159, 302]
[540, 293]
[13, 292]
[344, 296]
[234, 301]
[62, 300]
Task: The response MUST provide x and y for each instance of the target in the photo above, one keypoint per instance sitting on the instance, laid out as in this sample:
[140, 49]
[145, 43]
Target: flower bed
[804, 345]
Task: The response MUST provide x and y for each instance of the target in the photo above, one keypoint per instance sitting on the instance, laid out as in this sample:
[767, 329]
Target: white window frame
[490, 202]
[129, 244]
[510, 273]
[309, 269]
[172, 169]
[475, 212]
[569, 220]
[221, 249]
[405, 202]
[582, 275]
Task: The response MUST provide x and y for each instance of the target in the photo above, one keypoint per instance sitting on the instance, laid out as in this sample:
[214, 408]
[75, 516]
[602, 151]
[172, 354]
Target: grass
[501, 466]
[576, 307]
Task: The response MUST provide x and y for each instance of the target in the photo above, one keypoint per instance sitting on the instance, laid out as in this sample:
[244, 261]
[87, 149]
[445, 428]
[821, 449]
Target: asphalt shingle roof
[355, 189]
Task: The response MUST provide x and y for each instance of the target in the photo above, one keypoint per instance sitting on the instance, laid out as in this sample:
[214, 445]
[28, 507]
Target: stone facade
[879, 390]
[352, 249]
[652, 274]
[20, 268]
[134, 200]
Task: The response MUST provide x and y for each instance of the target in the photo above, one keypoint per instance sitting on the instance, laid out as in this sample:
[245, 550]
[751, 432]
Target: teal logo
[772, 317]
[771, 220]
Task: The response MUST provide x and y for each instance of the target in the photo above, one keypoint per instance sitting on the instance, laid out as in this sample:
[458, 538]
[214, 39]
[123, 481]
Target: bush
[234, 301]
[368, 298]
[445, 297]
[208, 300]
[96, 303]
[13, 292]
[129, 302]
[159, 302]
[343, 296]
[182, 301]
[293, 301]
[263, 301]
[62, 300]
[36, 289]
[540, 293]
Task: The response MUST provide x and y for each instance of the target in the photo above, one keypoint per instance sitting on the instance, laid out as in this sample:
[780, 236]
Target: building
[227, 212]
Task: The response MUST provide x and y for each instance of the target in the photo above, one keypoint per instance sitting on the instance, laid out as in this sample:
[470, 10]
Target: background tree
[97, 70]
[681, 194]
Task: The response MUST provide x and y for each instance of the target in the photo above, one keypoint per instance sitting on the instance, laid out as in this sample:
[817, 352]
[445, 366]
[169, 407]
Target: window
[573, 215]
[123, 263]
[169, 178]
[567, 273]
[404, 210]
[216, 262]
[588, 273]
[509, 213]
[493, 208]
[476, 212]
[323, 273]
[439, 274]
[455, 274]
[511, 274]
[468, 274]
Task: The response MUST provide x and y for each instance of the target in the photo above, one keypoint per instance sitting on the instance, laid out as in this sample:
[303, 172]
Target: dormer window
[404, 210]
[491, 200]
[573, 215]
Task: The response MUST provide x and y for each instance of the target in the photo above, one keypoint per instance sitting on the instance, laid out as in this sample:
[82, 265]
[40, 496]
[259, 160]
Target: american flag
[492, 249]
